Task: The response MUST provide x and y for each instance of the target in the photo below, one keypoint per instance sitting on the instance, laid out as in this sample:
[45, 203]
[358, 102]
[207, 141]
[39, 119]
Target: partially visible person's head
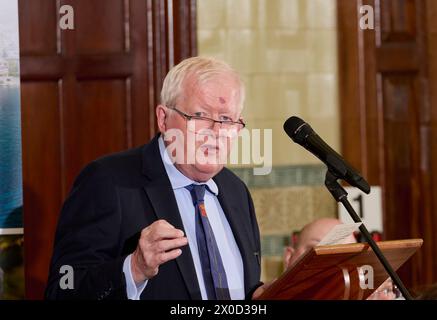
[203, 87]
[309, 237]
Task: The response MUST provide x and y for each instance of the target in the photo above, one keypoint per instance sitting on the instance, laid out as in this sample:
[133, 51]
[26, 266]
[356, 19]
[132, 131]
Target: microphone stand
[340, 195]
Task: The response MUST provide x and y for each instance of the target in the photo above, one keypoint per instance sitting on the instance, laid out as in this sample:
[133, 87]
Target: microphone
[301, 133]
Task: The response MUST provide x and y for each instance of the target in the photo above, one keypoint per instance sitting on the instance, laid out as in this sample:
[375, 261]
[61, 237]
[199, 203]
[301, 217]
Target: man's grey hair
[203, 68]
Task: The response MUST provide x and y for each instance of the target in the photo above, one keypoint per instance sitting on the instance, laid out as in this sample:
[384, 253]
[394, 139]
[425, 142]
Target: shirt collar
[177, 179]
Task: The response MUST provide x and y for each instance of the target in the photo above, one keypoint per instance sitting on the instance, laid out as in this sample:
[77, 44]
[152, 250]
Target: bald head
[315, 231]
[310, 236]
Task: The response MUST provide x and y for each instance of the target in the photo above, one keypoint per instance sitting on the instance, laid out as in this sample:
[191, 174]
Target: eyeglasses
[201, 123]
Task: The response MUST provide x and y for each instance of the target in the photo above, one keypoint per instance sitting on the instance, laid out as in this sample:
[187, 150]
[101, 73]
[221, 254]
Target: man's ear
[160, 118]
[288, 253]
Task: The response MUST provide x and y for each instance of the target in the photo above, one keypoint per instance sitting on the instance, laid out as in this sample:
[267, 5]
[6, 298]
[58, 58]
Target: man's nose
[216, 126]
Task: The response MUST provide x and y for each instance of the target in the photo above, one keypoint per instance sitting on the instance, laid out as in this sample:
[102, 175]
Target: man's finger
[163, 224]
[170, 255]
[166, 245]
[165, 233]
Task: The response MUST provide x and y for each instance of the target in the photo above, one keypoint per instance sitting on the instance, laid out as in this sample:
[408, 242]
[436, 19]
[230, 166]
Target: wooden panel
[398, 112]
[97, 124]
[103, 66]
[429, 220]
[39, 37]
[398, 20]
[158, 34]
[41, 134]
[398, 100]
[384, 90]
[403, 58]
[184, 29]
[41, 67]
[100, 26]
[352, 130]
[141, 79]
[370, 113]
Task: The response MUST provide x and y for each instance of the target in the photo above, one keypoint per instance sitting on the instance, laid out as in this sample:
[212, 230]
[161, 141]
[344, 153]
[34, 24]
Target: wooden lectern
[338, 272]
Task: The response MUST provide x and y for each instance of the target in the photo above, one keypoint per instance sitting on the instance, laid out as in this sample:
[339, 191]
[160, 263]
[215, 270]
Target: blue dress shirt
[226, 243]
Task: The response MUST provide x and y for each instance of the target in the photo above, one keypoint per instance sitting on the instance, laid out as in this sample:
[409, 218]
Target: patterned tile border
[284, 176]
[273, 245]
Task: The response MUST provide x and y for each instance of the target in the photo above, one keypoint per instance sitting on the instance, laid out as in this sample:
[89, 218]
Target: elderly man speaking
[166, 220]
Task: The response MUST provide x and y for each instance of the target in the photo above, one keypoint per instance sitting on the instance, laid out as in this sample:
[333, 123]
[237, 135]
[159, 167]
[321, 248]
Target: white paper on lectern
[339, 233]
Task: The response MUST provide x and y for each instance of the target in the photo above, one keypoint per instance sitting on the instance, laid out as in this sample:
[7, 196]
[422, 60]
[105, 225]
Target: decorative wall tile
[321, 14]
[322, 51]
[271, 268]
[286, 39]
[241, 14]
[284, 176]
[273, 245]
[243, 49]
[323, 204]
[213, 41]
[280, 211]
[324, 104]
[287, 94]
[281, 14]
[329, 129]
[212, 14]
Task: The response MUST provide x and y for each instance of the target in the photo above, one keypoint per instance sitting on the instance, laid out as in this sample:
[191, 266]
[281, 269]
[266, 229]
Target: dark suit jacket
[111, 201]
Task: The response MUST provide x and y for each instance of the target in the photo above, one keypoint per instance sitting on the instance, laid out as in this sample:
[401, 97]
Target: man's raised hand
[159, 242]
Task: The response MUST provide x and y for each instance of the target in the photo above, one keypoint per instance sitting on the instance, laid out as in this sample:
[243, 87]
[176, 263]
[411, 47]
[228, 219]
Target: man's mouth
[209, 148]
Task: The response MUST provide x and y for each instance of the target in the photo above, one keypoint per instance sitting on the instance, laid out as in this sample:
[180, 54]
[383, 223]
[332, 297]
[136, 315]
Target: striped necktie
[214, 274]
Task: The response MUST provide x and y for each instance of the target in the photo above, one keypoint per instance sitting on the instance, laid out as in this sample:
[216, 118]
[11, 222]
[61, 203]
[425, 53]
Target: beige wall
[286, 51]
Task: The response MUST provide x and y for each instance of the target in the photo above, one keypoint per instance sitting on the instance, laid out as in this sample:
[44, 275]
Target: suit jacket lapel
[161, 196]
[232, 210]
